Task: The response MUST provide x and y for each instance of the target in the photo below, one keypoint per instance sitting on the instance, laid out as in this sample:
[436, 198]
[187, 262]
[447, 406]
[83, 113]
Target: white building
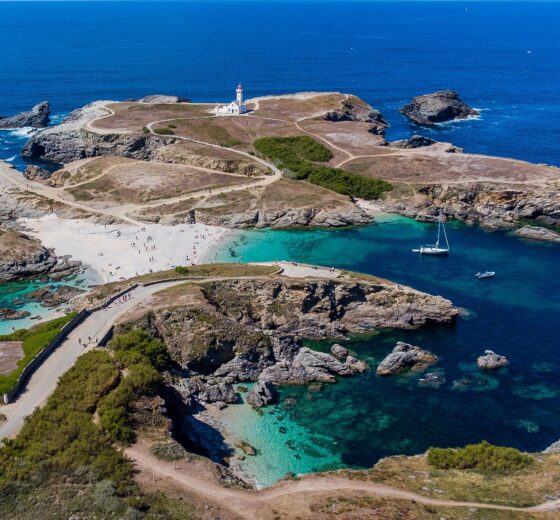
[236, 107]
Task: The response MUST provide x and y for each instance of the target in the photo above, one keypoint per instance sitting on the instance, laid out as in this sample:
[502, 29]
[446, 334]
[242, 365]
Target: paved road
[44, 380]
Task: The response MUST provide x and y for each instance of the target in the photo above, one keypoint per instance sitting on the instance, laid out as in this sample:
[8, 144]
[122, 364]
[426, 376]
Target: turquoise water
[13, 295]
[358, 420]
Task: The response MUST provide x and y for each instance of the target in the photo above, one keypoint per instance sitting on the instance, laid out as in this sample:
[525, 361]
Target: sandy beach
[122, 251]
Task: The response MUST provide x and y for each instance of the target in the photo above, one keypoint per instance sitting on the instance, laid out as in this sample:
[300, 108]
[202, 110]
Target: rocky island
[437, 107]
[37, 117]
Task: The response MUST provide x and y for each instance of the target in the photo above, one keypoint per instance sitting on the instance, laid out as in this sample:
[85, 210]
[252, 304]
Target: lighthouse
[239, 92]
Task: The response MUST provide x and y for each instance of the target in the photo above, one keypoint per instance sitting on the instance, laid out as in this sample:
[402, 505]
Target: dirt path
[247, 503]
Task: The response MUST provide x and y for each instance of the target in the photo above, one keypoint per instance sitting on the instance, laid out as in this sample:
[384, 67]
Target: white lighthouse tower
[236, 107]
[239, 92]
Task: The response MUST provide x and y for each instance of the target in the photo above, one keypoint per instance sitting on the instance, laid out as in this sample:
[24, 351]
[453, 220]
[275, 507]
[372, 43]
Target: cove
[358, 420]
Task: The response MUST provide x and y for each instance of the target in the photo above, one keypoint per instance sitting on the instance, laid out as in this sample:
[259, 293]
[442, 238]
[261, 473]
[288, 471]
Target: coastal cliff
[221, 337]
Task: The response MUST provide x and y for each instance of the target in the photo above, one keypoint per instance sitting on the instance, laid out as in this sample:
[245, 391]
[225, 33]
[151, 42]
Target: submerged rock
[432, 380]
[538, 233]
[12, 314]
[491, 361]
[437, 107]
[405, 357]
[37, 117]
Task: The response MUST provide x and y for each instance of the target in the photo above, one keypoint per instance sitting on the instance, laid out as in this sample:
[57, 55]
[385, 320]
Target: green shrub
[34, 340]
[181, 270]
[482, 457]
[164, 131]
[298, 155]
[146, 130]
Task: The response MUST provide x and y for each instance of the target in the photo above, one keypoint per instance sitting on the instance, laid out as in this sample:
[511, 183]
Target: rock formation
[354, 109]
[160, 99]
[339, 351]
[416, 141]
[38, 117]
[538, 233]
[491, 361]
[228, 338]
[437, 107]
[405, 357]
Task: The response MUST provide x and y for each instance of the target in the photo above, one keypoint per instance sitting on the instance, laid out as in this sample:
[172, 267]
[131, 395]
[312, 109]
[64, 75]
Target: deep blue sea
[503, 58]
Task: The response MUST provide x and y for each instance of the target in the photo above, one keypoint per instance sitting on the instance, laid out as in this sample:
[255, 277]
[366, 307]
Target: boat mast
[438, 230]
[445, 235]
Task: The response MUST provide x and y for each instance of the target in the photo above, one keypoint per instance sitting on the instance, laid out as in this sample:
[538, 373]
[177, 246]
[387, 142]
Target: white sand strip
[123, 251]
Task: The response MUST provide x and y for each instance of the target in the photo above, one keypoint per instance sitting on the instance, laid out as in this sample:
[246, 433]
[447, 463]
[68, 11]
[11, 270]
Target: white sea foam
[24, 131]
[11, 159]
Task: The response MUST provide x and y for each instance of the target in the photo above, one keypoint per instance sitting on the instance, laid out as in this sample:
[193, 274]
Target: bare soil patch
[441, 167]
[132, 117]
[142, 182]
[10, 353]
[299, 106]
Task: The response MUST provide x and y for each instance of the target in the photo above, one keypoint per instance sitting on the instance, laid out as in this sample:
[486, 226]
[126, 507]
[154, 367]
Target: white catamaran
[436, 249]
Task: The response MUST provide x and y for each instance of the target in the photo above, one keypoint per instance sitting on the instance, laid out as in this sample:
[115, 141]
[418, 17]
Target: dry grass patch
[133, 117]
[87, 169]
[526, 487]
[142, 182]
[299, 106]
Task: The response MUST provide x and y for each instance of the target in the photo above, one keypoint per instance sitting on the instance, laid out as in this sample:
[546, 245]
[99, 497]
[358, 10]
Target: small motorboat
[485, 274]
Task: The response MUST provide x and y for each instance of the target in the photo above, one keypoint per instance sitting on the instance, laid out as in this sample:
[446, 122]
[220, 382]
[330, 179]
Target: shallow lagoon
[361, 419]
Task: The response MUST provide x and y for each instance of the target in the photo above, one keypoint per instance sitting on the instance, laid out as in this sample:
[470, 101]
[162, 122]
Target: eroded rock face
[486, 204]
[289, 218]
[230, 338]
[437, 107]
[354, 109]
[35, 173]
[538, 233]
[491, 361]
[37, 117]
[21, 256]
[405, 357]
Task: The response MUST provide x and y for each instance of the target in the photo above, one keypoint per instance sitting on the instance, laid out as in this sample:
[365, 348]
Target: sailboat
[436, 249]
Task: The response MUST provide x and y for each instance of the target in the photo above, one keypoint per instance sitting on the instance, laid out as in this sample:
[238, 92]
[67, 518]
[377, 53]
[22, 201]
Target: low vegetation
[298, 156]
[34, 341]
[164, 130]
[482, 457]
[63, 463]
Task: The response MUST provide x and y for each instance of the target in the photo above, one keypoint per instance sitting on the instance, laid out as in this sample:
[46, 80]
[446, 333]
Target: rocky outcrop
[21, 257]
[162, 99]
[437, 107]
[347, 215]
[262, 394]
[491, 361]
[486, 204]
[405, 357]
[12, 314]
[38, 117]
[35, 173]
[538, 233]
[416, 141]
[71, 140]
[339, 351]
[228, 338]
[355, 109]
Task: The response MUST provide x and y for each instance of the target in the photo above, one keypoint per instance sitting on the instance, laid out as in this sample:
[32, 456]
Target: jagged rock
[355, 109]
[219, 392]
[437, 107]
[339, 351]
[491, 361]
[538, 233]
[53, 296]
[38, 117]
[247, 448]
[416, 141]
[262, 394]
[309, 366]
[12, 314]
[160, 99]
[21, 256]
[35, 173]
[405, 357]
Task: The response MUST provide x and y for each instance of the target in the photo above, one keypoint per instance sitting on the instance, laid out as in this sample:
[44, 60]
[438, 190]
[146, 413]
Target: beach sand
[122, 251]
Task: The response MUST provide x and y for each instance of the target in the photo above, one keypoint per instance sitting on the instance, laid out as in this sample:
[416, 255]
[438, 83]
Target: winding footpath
[247, 503]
